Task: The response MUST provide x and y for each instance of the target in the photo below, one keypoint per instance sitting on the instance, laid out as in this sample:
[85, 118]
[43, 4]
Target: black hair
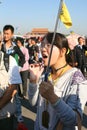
[60, 41]
[33, 38]
[20, 39]
[79, 38]
[6, 27]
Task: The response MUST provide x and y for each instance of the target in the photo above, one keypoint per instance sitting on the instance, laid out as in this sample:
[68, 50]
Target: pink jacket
[26, 54]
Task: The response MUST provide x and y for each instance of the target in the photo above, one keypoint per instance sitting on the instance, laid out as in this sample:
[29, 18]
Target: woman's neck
[59, 73]
[58, 66]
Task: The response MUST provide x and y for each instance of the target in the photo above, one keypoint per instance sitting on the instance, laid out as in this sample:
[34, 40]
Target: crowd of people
[60, 93]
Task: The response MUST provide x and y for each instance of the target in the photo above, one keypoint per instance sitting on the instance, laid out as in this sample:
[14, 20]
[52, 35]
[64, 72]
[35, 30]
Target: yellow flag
[65, 16]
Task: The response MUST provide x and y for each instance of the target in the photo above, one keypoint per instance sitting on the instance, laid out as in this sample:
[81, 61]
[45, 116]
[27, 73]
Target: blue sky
[28, 14]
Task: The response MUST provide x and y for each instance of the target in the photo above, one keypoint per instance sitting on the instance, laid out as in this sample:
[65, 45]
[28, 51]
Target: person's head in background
[81, 41]
[19, 42]
[8, 32]
[59, 52]
[29, 41]
[33, 40]
[1, 39]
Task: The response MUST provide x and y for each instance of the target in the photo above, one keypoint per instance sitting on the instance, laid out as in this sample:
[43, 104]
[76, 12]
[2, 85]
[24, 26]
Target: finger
[36, 65]
[43, 89]
[41, 64]
[44, 85]
[50, 83]
[41, 69]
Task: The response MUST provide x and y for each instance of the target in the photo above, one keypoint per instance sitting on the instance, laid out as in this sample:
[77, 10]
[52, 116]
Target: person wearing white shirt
[8, 88]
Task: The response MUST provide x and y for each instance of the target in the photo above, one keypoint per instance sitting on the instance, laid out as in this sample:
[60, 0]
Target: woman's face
[45, 49]
[19, 44]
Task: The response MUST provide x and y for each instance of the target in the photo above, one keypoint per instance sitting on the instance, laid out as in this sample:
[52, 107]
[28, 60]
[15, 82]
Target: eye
[48, 45]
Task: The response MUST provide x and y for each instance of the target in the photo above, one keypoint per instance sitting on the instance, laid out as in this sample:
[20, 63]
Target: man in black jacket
[9, 47]
[79, 54]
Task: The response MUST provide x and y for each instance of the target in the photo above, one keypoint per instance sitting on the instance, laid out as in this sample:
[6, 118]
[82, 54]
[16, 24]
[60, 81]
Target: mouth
[44, 56]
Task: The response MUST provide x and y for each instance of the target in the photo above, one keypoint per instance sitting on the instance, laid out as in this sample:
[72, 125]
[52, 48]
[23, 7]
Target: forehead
[7, 31]
[81, 39]
[44, 41]
[18, 41]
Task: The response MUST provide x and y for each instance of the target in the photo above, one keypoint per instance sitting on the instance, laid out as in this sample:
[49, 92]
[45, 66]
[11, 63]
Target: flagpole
[55, 30]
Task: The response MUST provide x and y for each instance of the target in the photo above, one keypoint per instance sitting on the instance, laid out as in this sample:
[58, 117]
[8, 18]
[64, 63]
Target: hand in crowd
[47, 91]
[35, 72]
[14, 92]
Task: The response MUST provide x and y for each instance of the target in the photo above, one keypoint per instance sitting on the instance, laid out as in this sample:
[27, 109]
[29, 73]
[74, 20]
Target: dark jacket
[13, 50]
[32, 53]
[85, 53]
[79, 57]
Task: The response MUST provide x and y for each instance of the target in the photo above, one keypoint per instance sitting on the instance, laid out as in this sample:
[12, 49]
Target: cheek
[7, 36]
[55, 55]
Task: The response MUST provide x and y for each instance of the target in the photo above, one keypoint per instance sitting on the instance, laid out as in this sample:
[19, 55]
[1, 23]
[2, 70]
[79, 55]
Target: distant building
[37, 32]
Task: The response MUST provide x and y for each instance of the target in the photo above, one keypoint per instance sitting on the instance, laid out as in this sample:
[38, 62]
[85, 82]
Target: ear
[63, 52]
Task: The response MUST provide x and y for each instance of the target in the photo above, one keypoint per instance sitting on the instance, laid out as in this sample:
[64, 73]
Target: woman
[62, 95]
[25, 68]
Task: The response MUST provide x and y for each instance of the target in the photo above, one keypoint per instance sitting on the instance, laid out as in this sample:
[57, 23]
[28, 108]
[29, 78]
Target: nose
[43, 49]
